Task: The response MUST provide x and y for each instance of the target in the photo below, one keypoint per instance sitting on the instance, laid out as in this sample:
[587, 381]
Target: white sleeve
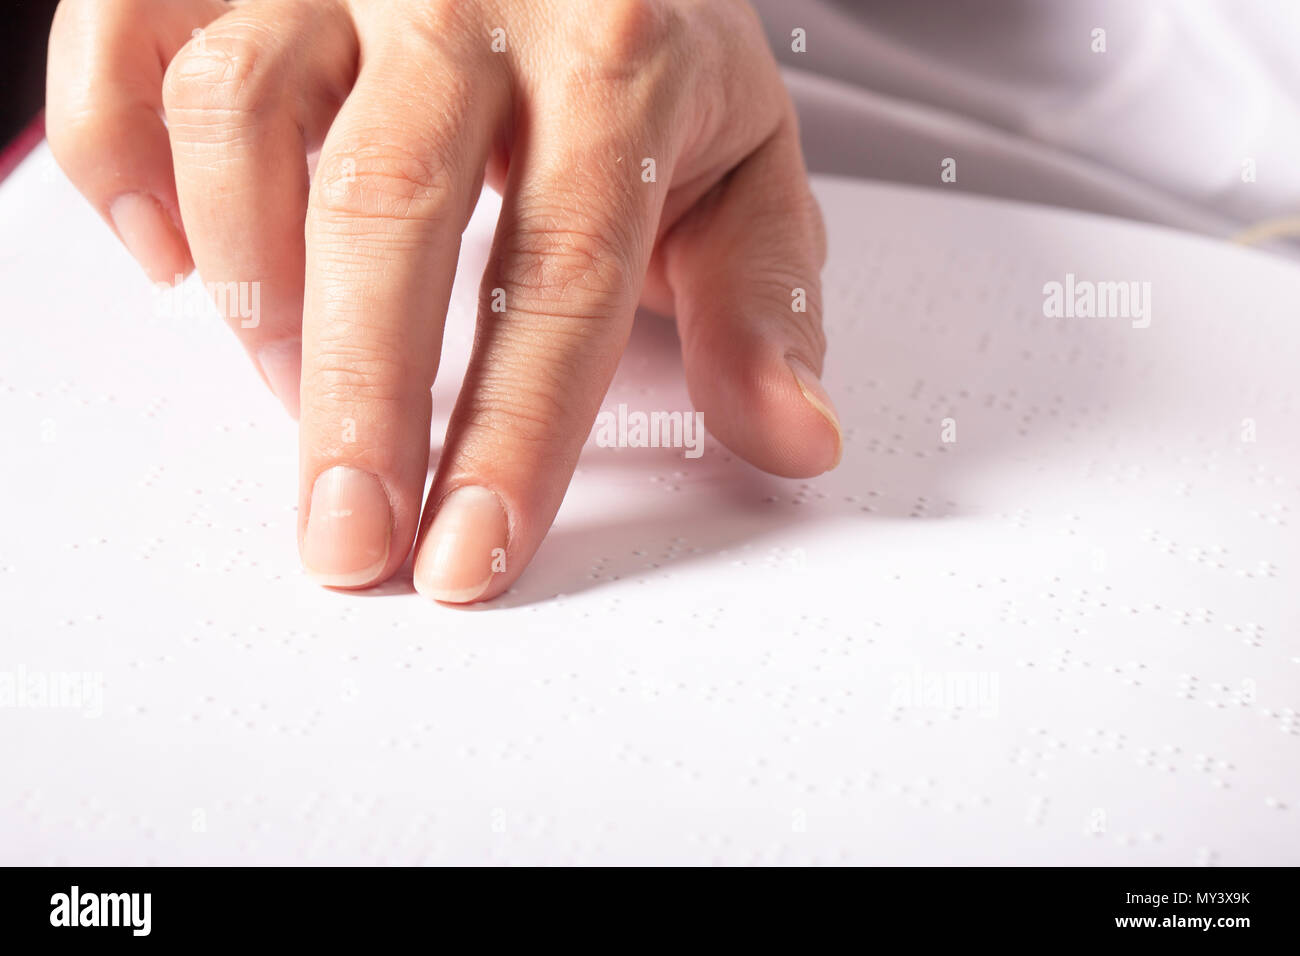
[1178, 111]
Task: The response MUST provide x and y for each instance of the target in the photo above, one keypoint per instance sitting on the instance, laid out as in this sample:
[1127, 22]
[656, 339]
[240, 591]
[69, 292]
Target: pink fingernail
[465, 547]
[349, 528]
[815, 392]
[281, 363]
[151, 237]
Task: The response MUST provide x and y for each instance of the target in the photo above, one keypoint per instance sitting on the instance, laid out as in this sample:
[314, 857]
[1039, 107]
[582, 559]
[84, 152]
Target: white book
[1046, 611]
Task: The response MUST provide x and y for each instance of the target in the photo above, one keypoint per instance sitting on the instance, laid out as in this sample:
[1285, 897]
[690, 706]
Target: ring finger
[246, 100]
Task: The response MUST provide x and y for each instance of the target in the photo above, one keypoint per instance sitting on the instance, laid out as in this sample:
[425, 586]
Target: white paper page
[1072, 635]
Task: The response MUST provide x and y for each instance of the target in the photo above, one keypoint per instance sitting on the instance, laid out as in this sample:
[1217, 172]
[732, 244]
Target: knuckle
[434, 22]
[539, 363]
[633, 58]
[621, 35]
[549, 267]
[511, 420]
[513, 415]
[347, 375]
[523, 392]
[377, 177]
[555, 259]
[222, 75]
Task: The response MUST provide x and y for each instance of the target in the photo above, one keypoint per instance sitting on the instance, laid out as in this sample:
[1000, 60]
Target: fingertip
[281, 365]
[816, 395]
[458, 559]
[151, 237]
[349, 532]
[772, 410]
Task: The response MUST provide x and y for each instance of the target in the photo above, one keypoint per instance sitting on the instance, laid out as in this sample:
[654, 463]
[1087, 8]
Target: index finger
[392, 195]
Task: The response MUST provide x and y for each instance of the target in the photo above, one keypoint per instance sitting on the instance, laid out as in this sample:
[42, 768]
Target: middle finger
[399, 176]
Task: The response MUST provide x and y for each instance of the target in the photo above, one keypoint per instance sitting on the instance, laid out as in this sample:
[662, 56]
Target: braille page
[1046, 610]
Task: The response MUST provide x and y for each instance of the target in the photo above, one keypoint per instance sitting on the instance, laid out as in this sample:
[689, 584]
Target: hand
[646, 151]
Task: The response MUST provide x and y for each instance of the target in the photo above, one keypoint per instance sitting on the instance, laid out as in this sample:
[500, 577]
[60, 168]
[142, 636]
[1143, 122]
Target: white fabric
[1157, 127]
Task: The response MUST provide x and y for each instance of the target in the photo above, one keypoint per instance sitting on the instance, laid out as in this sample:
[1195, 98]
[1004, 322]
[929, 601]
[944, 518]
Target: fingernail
[281, 364]
[151, 237]
[465, 546]
[348, 528]
[815, 392]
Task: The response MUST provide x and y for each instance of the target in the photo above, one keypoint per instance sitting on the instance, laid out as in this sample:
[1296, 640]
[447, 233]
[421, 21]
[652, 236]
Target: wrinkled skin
[646, 152]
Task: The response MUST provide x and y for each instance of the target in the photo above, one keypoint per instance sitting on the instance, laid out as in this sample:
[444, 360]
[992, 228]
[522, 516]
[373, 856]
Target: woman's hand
[646, 150]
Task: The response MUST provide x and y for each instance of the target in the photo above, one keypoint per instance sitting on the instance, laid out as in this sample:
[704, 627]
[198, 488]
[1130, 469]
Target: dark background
[23, 40]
